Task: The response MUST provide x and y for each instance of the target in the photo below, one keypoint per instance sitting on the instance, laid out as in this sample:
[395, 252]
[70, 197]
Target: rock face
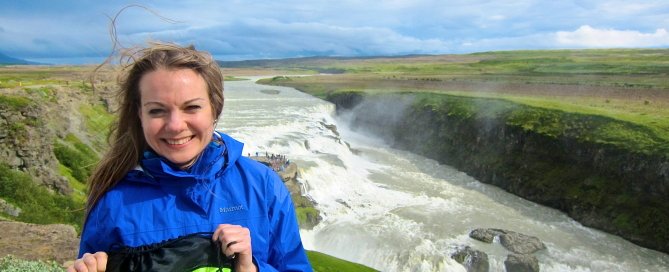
[26, 144]
[620, 191]
[39, 242]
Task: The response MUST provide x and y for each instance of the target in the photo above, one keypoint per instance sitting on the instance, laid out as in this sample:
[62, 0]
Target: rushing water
[396, 211]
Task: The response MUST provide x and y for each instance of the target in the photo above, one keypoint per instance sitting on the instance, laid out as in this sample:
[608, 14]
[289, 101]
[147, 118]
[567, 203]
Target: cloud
[233, 29]
[274, 39]
[589, 37]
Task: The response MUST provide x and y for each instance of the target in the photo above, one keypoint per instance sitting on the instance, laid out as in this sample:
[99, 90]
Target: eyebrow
[187, 102]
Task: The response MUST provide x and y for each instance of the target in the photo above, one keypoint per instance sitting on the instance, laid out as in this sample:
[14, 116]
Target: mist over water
[396, 211]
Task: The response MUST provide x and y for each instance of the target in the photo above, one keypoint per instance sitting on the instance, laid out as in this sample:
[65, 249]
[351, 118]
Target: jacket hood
[214, 160]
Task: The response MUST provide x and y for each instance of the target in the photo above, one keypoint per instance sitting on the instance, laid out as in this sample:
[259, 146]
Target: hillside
[7, 60]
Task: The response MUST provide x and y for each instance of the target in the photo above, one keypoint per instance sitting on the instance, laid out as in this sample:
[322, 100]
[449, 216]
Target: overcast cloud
[78, 31]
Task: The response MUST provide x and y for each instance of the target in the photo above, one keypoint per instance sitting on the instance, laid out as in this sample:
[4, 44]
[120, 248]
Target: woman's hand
[236, 243]
[90, 263]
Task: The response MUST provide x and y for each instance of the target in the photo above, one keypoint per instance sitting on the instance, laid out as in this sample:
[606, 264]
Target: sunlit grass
[98, 121]
[324, 263]
[653, 115]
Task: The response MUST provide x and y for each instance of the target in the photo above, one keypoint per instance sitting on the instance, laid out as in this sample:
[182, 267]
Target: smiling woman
[169, 179]
[176, 115]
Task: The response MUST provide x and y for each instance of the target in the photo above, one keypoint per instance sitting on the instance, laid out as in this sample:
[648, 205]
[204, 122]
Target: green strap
[211, 269]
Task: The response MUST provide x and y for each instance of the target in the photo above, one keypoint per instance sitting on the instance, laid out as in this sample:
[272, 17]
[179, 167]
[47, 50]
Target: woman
[168, 174]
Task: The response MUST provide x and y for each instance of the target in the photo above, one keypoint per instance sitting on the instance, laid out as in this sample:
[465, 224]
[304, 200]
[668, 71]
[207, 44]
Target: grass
[307, 215]
[10, 263]
[14, 102]
[645, 68]
[642, 112]
[46, 93]
[325, 263]
[98, 120]
[233, 78]
[544, 117]
[78, 157]
[78, 187]
[28, 76]
[37, 204]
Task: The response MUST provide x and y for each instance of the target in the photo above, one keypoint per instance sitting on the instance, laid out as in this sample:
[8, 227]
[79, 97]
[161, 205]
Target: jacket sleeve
[286, 250]
[94, 237]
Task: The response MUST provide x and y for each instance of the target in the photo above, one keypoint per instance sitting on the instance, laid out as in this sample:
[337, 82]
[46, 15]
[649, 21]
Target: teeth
[178, 141]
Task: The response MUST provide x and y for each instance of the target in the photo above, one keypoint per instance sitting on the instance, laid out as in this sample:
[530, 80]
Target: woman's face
[176, 114]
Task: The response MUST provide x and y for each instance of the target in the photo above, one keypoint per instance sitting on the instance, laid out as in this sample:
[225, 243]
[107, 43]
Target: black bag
[195, 252]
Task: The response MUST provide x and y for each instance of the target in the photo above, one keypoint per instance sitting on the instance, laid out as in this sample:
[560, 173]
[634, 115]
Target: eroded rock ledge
[308, 215]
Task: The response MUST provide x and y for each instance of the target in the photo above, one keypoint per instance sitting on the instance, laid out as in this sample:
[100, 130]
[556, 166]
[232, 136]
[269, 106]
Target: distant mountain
[4, 60]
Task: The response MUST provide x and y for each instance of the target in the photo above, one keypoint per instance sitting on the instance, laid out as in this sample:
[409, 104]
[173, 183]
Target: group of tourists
[277, 162]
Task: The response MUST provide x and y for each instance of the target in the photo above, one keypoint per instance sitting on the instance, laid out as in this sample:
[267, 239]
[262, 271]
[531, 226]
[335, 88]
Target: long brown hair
[127, 142]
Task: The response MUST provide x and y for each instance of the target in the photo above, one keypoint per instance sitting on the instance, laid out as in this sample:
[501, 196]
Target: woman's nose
[175, 122]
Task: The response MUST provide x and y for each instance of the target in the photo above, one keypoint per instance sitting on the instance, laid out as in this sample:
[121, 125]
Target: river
[396, 211]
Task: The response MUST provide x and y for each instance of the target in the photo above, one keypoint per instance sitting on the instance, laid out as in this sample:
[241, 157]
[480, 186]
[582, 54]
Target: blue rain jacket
[157, 201]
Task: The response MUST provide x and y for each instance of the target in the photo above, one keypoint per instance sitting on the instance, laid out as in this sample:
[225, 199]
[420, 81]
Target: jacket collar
[215, 159]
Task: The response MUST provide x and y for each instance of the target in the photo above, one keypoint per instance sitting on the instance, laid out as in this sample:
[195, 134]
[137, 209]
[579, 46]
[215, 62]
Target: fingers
[90, 263]
[101, 258]
[232, 256]
[235, 243]
[234, 238]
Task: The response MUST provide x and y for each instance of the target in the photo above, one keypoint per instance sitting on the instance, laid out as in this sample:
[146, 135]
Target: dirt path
[39, 242]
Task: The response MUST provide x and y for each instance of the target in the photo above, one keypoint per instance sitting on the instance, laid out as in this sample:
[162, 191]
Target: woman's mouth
[179, 141]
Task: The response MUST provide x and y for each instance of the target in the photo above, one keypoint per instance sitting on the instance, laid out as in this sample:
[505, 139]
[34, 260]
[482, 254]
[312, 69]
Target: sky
[78, 31]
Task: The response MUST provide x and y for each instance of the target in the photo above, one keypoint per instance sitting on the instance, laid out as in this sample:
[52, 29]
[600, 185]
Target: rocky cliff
[26, 140]
[548, 158]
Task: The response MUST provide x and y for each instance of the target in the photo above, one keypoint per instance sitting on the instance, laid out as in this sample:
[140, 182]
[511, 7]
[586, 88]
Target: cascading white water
[396, 211]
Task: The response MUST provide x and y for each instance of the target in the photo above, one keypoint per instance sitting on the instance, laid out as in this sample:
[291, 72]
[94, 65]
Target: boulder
[473, 260]
[521, 263]
[511, 240]
[484, 235]
[521, 243]
[8, 208]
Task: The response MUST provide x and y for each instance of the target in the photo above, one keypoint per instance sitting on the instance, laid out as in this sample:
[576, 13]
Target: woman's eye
[155, 111]
[193, 107]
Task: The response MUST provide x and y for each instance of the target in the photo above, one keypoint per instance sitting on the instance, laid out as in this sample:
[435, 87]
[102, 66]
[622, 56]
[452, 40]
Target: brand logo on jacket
[231, 209]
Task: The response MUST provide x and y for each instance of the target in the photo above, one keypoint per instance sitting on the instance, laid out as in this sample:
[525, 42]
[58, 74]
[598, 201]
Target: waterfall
[396, 211]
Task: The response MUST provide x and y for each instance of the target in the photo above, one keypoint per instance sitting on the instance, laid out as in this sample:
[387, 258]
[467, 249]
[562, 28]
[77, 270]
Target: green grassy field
[325, 263]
